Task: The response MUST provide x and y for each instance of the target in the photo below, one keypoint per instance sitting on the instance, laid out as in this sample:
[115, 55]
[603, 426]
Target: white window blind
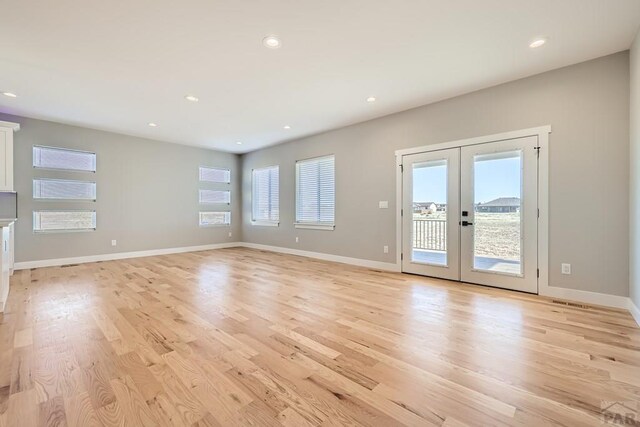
[266, 195]
[63, 220]
[59, 189]
[315, 191]
[215, 218]
[215, 175]
[62, 158]
[215, 196]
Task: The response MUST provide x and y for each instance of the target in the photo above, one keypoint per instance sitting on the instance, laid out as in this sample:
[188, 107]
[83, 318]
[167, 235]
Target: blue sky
[494, 178]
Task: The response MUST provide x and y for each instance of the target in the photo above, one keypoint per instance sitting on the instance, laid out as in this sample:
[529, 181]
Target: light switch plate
[383, 204]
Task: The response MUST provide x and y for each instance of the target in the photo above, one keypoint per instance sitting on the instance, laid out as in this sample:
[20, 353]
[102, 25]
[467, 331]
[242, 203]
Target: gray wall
[635, 173]
[147, 193]
[588, 107]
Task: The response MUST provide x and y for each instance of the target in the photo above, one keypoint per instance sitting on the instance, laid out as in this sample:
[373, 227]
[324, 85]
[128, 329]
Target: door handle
[465, 223]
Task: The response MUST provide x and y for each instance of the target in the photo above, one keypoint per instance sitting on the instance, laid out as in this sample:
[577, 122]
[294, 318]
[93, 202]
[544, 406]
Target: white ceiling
[118, 65]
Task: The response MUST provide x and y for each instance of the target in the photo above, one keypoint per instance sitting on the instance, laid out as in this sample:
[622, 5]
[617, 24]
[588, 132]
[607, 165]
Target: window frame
[35, 146]
[200, 190]
[200, 224]
[228, 170]
[62, 199]
[63, 230]
[315, 225]
[264, 222]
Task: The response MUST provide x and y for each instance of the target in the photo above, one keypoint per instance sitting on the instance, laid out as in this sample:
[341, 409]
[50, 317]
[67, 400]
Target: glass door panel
[431, 184]
[430, 212]
[497, 229]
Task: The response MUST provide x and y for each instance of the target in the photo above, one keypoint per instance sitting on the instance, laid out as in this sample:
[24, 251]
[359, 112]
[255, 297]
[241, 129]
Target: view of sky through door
[496, 178]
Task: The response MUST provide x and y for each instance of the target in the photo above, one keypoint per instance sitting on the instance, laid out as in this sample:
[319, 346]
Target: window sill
[214, 225]
[70, 230]
[265, 223]
[328, 227]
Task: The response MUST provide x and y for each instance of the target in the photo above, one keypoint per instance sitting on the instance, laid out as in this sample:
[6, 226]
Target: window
[265, 198]
[215, 175]
[215, 218]
[214, 196]
[64, 190]
[55, 189]
[315, 193]
[62, 158]
[64, 220]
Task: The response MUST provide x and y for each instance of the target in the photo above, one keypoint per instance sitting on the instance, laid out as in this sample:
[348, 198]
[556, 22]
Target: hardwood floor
[244, 337]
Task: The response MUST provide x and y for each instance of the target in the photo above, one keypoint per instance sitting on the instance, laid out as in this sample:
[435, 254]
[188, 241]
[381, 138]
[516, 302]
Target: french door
[470, 214]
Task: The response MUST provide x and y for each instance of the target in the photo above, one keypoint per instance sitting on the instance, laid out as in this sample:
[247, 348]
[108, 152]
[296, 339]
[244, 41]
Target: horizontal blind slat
[63, 189]
[215, 218]
[64, 220]
[315, 201]
[220, 175]
[214, 196]
[62, 158]
[265, 196]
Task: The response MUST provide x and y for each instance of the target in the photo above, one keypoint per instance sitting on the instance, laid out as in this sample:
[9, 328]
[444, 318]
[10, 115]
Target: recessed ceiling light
[371, 99]
[10, 94]
[151, 124]
[287, 127]
[537, 43]
[271, 42]
[239, 142]
[191, 98]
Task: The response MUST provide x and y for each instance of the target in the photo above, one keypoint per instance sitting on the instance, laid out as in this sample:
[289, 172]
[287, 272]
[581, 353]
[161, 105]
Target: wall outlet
[297, 239]
[229, 234]
[566, 268]
[113, 243]
[383, 204]
[385, 249]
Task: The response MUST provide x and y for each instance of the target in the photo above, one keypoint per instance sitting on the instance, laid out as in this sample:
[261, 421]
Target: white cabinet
[5, 263]
[6, 226]
[6, 154]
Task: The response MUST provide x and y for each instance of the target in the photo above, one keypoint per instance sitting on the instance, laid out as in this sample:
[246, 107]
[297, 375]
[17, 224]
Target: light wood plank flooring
[244, 337]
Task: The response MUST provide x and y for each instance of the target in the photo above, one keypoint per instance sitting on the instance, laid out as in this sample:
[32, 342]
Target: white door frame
[542, 133]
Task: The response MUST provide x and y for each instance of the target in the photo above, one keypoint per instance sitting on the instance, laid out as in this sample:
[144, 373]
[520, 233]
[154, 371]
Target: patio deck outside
[496, 244]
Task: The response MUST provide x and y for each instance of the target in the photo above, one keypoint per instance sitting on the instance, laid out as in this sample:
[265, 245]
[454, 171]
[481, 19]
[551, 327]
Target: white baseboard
[607, 300]
[613, 301]
[634, 310]
[377, 265]
[120, 255]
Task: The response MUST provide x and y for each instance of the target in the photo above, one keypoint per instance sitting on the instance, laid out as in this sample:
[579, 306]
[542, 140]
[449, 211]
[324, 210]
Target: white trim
[377, 265]
[266, 223]
[607, 300]
[634, 310]
[328, 227]
[477, 140]
[542, 132]
[120, 255]
[543, 206]
[399, 211]
[13, 126]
